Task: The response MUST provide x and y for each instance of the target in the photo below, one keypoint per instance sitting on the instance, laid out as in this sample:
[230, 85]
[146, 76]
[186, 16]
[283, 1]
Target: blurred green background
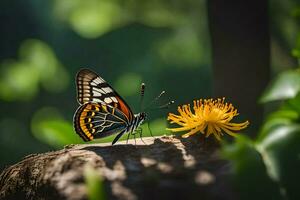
[44, 44]
[165, 44]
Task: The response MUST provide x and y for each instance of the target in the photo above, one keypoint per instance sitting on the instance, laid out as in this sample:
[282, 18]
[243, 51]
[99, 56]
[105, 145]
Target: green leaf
[94, 184]
[280, 151]
[296, 53]
[292, 104]
[49, 127]
[92, 18]
[285, 86]
[250, 174]
[20, 79]
[281, 117]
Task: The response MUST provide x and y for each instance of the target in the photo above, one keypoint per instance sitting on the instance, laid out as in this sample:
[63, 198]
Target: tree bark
[164, 168]
[240, 53]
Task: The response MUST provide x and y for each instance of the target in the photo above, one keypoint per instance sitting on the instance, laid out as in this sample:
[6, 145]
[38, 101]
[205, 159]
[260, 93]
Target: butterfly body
[102, 111]
[137, 121]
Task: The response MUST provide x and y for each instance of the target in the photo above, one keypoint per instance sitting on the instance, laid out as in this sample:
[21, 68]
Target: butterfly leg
[134, 138]
[128, 136]
[150, 130]
[140, 132]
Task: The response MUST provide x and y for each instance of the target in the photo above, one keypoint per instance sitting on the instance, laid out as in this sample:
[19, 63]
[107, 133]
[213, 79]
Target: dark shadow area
[159, 171]
[206, 153]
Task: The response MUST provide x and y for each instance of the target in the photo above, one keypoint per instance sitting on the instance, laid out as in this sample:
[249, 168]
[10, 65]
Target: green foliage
[128, 83]
[91, 18]
[37, 65]
[158, 42]
[278, 118]
[267, 167]
[280, 151]
[285, 86]
[94, 18]
[94, 184]
[49, 126]
[182, 48]
[250, 174]
[157, 127]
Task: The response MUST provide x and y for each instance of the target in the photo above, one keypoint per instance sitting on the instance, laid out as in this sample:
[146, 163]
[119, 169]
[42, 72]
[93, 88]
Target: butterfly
[102, 111]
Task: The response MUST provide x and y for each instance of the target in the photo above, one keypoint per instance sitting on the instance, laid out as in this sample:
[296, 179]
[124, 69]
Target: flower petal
[210, 117]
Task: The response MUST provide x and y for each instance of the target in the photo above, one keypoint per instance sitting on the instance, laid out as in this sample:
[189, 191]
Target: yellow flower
[211, 117]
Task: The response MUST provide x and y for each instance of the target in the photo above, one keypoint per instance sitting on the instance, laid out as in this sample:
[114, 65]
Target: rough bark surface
[163, 168]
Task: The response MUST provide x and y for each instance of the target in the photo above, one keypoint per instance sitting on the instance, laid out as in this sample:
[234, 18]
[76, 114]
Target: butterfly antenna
[143, 86]
[167, 105]
[155, 99]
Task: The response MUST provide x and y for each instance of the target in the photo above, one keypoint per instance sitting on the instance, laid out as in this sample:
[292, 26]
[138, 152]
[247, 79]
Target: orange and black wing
[91, 88]
[94, 120]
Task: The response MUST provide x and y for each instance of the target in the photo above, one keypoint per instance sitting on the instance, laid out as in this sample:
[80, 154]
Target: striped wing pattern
[102, 111]
[93, 120]
[93, 88]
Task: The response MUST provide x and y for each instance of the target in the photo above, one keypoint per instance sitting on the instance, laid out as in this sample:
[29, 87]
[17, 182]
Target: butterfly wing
[93, 120]
[91, 88]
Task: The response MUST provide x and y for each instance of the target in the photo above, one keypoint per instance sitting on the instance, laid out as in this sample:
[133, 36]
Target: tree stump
[164, 168]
